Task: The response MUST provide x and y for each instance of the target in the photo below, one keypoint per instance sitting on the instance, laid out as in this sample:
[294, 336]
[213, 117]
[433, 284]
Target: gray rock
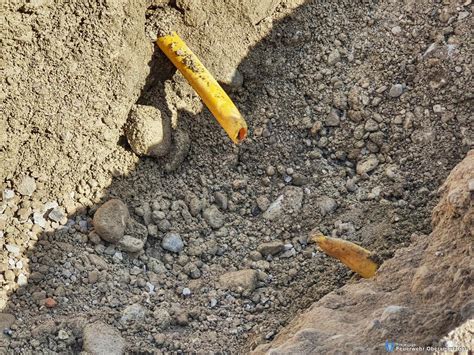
[110, 220]
[134, 312]
[326, 205]
[56, 214]
[299, 179]
[195, 206]
[396, 90]
[172, 242]
[152, 230]
[102, 339]
[367, 165]
[27, 186]
[288, 254]
[39, 219]
[131, 244]
[147, 132]
[239, 281]
[221, 200]
[371, 126]
[263, 203]
[255, 255]
[289, 202]
[13, 249]
[334, 57]
[157, 216]
[214, 217]
[162, 318]
[164, 225]
[8, 194]
[63, 335]
[22, 280]
[271, 248]
[332, 120]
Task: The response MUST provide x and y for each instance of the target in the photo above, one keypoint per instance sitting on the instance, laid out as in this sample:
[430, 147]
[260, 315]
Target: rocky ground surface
[407, 301]
[357, 113]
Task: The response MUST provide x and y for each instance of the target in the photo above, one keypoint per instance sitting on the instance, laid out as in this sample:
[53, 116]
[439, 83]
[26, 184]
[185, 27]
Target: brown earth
[357, 113]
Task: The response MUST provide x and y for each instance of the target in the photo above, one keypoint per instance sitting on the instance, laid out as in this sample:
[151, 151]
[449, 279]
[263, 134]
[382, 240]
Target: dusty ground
[406, 302]
[357, 113]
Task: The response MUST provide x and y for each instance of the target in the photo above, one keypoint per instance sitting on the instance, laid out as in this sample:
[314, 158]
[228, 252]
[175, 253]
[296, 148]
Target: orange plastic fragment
[352, 255]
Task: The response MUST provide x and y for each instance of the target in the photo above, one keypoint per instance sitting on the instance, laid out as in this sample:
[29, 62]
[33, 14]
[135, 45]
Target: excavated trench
[357, 112]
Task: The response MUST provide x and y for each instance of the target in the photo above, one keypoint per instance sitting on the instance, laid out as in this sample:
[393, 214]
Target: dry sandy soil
[357, 113]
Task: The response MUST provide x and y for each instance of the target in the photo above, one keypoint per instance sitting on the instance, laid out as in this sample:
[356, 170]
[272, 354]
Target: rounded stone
[110, 220]
[172, 242]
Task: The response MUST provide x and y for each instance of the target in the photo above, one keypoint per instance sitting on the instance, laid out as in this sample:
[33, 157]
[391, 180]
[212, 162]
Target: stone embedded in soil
[332, 119]
[396, 90]
[134, 312]
[172, 242]
[102, 339]
[131, 244]
[263, 203]
[367, 165]
[326, 205]
[39, 219]
[8, 194]
[147, 132]
[27, 186]
[110, 220]
[214, 217]
[239, 281]
[50, 302]
[162, 318]
[63, 335]
[22, 280]
[56, 215]
[334, 57]
[13, 249]
[221, 200]
[290, 201]
[231, 78]
[271, 248]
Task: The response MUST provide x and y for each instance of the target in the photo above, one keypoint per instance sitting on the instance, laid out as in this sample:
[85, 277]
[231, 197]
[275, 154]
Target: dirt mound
[407, 301]
[357, 113]
[72, 71]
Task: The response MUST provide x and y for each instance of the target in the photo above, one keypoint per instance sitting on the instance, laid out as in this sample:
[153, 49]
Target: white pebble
[8, 194]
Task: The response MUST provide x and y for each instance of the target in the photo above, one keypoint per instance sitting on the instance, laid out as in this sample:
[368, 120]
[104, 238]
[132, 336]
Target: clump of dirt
[357, 113]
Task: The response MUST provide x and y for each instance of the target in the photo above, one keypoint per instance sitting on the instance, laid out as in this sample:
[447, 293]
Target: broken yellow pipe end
[214, 97]
[352, 255]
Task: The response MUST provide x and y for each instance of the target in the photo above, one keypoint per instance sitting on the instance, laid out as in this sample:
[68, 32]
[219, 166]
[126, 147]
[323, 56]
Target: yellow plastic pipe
[215, 98]
[353, 256]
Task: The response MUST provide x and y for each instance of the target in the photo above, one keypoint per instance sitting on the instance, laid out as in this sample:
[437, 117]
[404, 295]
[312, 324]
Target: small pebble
[396, 90]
